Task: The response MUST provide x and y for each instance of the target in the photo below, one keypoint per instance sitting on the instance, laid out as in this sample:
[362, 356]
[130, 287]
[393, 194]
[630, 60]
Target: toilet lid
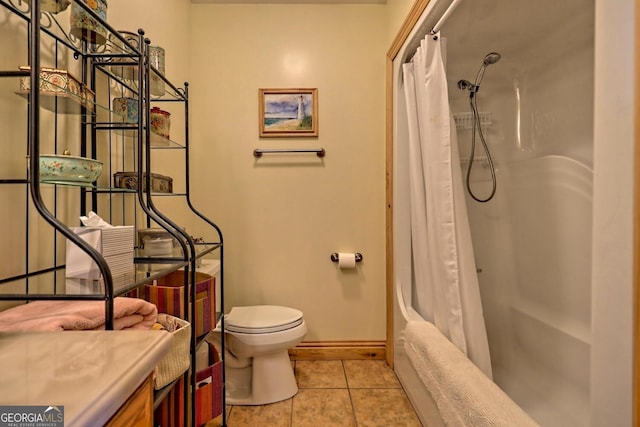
[261, 319]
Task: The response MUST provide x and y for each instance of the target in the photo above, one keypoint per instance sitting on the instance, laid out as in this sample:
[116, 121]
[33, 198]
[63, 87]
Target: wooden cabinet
[138, 410]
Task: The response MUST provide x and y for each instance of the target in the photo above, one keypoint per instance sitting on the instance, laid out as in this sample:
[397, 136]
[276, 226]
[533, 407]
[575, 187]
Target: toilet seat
[262, 319]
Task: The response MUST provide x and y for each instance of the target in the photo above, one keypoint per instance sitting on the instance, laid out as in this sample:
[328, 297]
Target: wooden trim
[636, 226]
[412, 18]
[389, 209]
[338, 350]
[410, 21]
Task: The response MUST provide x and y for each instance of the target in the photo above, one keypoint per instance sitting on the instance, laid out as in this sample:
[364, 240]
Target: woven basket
[176, 362]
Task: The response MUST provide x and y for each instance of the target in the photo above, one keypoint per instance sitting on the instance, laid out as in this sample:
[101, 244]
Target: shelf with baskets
[73, 108]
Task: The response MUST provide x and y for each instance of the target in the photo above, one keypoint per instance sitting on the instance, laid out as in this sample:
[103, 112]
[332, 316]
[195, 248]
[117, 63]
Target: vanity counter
[91, 373]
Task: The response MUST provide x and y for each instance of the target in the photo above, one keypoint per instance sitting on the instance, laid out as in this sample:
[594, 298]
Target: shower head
[491, 58]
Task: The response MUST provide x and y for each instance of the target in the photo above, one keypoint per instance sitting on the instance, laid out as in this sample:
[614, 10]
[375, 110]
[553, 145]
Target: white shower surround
[597, 349]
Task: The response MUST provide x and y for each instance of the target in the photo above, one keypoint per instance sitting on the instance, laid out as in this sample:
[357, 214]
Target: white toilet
[258, 370]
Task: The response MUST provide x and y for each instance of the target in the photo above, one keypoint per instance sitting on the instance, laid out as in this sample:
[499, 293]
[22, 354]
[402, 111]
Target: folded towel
[465, 396]
[128, 313]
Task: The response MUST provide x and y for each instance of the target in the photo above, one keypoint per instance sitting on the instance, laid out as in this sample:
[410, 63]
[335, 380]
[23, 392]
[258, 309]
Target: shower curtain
[446, 290]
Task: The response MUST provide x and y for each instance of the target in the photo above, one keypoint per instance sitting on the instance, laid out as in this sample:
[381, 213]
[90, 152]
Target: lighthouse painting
[288, 112]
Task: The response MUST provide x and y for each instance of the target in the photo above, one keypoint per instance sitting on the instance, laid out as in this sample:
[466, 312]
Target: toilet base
[268, 379]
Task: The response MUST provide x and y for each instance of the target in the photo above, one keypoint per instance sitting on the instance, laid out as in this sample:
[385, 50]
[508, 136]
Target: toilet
[258, 370]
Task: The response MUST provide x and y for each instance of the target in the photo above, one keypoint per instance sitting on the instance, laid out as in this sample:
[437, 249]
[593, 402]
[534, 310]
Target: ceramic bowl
[69, 169]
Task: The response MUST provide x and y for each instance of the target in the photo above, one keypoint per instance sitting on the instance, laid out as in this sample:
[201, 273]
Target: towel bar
[258, 152]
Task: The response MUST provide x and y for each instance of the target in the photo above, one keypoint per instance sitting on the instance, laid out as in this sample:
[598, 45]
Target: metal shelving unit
[105, 136]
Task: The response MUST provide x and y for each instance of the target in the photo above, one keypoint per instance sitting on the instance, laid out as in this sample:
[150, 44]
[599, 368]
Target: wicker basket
[177, 361]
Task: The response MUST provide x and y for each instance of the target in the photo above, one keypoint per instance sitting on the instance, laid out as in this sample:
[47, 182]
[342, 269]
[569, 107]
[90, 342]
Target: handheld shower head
[491, 58]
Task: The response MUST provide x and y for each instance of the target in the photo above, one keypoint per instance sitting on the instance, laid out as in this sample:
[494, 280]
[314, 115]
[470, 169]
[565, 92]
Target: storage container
[160, 121]
[86, 27]
[209, 388]
[54, 82]
[177, 361]
[129, 180]
[168, 293]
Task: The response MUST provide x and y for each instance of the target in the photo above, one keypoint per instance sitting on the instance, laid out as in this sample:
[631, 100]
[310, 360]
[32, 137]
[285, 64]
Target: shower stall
[529, 196]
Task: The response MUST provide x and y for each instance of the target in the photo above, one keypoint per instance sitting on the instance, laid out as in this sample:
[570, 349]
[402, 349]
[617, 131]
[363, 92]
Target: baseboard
[339, 350]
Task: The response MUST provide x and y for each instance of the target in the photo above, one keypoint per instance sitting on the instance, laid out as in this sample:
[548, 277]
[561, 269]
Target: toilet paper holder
[336, 258]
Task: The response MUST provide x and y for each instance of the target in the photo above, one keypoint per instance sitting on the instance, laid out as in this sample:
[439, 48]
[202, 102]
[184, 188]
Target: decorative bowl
[69, 169]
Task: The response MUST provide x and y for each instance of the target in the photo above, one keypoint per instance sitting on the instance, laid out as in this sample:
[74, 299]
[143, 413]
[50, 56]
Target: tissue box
[116, 246]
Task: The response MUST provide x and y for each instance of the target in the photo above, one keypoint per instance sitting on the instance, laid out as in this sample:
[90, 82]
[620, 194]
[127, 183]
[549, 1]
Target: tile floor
[335, 393]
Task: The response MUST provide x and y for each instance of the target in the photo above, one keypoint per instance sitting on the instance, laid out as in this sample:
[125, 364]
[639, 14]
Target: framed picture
[288, 112]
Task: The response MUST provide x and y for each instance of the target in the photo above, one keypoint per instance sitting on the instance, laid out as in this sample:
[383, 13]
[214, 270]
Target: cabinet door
[137, 410]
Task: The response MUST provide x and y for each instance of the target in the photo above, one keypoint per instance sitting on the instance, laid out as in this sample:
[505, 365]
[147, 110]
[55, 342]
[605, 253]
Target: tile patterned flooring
[336, 393]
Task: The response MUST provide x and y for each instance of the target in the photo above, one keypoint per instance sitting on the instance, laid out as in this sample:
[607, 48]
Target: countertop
[90, 373]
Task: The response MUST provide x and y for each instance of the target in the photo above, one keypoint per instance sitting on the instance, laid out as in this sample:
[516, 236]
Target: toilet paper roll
[346, 260]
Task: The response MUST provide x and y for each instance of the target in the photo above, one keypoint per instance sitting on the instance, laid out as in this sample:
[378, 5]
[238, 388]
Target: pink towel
[128, 313]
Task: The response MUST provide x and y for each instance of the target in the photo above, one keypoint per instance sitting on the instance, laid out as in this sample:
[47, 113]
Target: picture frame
[288, 113]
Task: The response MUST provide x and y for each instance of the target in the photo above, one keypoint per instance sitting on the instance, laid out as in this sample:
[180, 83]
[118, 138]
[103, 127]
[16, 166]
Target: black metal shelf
[135, 147]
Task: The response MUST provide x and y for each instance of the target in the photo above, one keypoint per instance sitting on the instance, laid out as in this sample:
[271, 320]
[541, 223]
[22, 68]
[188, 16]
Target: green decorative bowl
[69, 169]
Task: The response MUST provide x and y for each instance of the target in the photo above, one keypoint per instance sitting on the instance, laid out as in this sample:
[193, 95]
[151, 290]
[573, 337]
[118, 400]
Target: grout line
[353, 409]
[344, 373]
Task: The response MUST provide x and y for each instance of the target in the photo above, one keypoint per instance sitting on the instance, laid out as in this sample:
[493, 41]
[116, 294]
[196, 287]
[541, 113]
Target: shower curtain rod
[444, 17]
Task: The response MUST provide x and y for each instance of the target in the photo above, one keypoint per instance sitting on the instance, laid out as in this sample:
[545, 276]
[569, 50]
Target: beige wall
[397, 11]
[284, 215]
[164, 23]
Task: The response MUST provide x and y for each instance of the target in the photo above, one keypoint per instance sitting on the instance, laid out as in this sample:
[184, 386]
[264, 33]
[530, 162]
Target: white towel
[465, 396]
